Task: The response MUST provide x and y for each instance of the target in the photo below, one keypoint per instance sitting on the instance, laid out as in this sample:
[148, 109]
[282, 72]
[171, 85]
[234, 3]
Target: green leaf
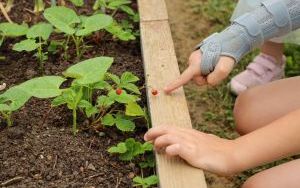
[57, 101]
[78, 3]
[114, 78]
[94, 23]
[131, 87]
[127, 9]
[104, 101]
[13, 30]
[149, 161]
[116, 30]
[118, 3]
[133, 109]
[123, 98]
[147, 146]
[42, 30]
[146, 182]
[89, 71]
[43, 87]
[101, 85]
[134, 149]
[89, 108]
[16, 97]
[62, 18]
[128, 77]
[108, 120]
[120, 148]
[124, 125]
[26, 45]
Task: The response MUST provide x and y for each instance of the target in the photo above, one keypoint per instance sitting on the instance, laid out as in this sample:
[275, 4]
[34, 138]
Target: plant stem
[74, 121]
[77, 41]
[66, 47]
[40, 55]
[53, 2]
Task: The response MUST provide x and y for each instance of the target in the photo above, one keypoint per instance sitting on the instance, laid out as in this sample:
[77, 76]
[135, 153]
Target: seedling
[14, 98]
[114, 5]
[145, 182]
[39, 6]
[130, 149]
[102, 111]
[76, 27]
[37, 36]
[11, 30]
[123, 31]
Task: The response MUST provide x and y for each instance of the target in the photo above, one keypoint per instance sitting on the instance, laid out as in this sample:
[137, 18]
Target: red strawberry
[118, 91]
[154, 92]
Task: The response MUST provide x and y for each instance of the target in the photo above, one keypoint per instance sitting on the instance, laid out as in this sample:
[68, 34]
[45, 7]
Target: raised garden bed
[40, 150]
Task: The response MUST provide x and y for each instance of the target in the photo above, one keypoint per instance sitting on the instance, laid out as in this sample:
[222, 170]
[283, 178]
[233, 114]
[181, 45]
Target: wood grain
[161, 68]
[151, 10]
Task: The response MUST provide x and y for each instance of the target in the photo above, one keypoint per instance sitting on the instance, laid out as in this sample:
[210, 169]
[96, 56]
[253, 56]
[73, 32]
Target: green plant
[92, 94]
[129, 149]
[124, 30]
[76, 27]
[39, 6]
[37, 36]
[11, 30]
[114, 5]
[145, 182]
[78, 3]
[14, 98]
[9, 5]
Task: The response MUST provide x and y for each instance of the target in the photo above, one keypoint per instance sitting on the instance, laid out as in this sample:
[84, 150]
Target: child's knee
[253, 182]
[243, 111]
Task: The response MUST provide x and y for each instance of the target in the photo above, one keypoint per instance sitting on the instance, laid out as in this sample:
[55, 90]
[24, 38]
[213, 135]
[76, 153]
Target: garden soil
[40, 149]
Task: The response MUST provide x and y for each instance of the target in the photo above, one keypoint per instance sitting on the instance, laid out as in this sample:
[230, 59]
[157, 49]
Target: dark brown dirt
[40, 149]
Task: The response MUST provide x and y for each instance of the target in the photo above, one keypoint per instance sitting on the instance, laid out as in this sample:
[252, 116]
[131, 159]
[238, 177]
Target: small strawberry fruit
[118, 91]
[154, 92]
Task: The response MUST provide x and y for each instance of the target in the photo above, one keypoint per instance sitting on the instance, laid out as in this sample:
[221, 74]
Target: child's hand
[200, 150]
[222, 70]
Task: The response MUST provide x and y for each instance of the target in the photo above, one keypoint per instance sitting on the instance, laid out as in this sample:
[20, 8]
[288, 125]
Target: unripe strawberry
[118, 91]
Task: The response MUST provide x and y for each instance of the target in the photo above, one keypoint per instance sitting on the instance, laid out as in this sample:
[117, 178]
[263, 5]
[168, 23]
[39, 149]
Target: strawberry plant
[123, 31]
[11, 30]
[37, 36]
[145, 182]
[14, 98]
[91, 79]
[76, 27]
[130, 149]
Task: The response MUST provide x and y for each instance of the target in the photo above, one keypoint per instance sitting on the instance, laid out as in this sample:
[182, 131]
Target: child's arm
[274, 141]
[220, 51]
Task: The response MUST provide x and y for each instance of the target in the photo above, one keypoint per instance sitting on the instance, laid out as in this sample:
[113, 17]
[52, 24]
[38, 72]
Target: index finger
[184, 78]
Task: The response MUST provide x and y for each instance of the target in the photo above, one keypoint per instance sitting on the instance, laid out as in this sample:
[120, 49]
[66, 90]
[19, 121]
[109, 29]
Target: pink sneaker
[262, 70]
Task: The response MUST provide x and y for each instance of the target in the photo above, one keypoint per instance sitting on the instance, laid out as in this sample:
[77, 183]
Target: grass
[219, 102]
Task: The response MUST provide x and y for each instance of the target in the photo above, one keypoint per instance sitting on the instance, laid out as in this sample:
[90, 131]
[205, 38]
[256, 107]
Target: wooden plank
[161, 68]
[151, 10]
